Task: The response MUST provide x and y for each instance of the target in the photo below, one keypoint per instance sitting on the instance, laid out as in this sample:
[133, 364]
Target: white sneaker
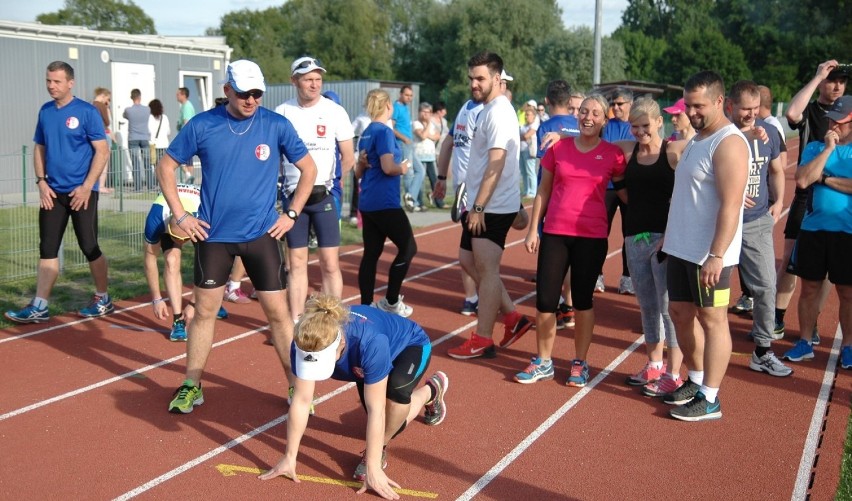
[625, 286]
[399, 308]
[353, 221]
[770, 364]
[409, 202]
[599, 285]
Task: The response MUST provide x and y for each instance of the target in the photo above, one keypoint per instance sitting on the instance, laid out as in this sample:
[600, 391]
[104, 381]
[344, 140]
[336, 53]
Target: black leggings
[556, 254]
[52, 224]
[377, 226]
[613, 203]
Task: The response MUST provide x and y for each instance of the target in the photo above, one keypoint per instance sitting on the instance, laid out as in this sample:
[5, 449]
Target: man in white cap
[324, 126]
[240, 146]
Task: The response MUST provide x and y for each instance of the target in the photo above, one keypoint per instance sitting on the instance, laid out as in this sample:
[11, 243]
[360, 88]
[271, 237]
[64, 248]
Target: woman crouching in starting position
[376, 350]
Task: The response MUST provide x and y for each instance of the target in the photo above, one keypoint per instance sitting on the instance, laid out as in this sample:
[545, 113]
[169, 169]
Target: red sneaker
[476, 346]
[515, 325]
[647, 375]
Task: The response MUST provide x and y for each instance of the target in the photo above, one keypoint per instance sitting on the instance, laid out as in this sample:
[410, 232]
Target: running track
[83, 410]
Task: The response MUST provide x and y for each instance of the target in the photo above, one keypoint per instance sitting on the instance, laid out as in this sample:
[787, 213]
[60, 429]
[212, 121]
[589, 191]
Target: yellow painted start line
[229, 470]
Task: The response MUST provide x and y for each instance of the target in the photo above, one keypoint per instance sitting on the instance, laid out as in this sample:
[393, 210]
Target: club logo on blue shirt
[262, 152]
[72, 123]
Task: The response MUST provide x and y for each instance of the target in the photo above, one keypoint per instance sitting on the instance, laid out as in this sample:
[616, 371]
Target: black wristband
[442, 178]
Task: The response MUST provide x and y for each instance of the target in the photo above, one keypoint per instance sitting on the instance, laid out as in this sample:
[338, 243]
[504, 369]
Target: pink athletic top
[577, 207]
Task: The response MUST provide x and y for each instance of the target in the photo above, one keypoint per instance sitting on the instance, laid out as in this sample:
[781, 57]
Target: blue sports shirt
[557, 123]
[378, 190]
[829, 210]
[240, 160]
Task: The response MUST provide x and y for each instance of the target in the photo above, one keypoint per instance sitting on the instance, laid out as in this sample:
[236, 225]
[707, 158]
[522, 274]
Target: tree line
[775, 42]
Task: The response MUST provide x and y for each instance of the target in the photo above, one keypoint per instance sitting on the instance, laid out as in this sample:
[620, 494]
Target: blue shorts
[324, 218]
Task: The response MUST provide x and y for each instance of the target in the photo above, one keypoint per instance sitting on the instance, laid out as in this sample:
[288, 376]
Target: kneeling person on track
[386, 356]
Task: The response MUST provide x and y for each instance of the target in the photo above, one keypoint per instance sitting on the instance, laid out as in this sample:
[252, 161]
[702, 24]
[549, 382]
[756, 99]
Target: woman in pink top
[574, 177]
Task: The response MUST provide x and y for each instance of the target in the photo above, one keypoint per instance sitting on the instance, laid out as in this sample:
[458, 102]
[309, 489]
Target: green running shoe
[186, 397]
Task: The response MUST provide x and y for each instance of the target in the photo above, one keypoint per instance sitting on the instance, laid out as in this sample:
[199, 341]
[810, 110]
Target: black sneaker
[682, 395]
[698, 409]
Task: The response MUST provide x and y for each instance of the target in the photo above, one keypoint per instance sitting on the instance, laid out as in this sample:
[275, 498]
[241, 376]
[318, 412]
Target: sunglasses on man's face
[307, 64]
[255, 93]
[619, 104]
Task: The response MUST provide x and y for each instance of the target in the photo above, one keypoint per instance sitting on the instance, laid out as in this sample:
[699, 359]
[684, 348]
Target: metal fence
[122, 207]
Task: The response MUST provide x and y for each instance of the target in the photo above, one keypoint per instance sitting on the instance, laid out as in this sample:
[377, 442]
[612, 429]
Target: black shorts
[52, 224]
[796, 214]
[496, 228]
[408, 369]
[323, 216]
[820, 253]
[261, 257]
[556, 254]
[683, 286]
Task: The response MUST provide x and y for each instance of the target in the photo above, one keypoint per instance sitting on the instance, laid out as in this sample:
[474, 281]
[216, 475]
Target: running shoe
[311, 411]
[236, 296]
[361, 469]
[599, 285]
[698, 409]
[744, 304]
[625, 286]
[579, 374]
[535, 371]
[436, 410]
[98, 307]
[683, 394]
[409, 202]
[564, 316]
[846, 357]
[29, 314]
[178, 330]
[459, 203]
[469, 308]
[475, 347]
[800, 351]
[648, 374]
[663, 386]
[400, 308]
[222, 314]
[778, 332]
[769, 364]
[515, 325]
[353, 221]
[815, 339]
[186, 397]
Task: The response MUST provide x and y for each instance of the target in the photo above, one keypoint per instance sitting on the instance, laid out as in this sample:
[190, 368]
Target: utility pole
[596, 72]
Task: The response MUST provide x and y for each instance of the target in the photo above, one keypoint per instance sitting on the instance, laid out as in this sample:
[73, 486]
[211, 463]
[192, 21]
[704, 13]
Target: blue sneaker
[178, 331]
[223, 313]
[535, 371]
[800, 351]
[846, 357]
[100, 306]
[698, 409]
[28, 315]
[579, 374]
[469, 308]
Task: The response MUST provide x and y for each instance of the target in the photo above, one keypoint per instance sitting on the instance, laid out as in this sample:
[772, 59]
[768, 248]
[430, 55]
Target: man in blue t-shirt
[763, 205]
[401, 119]
[825, 238]
[70, 154]
[240, 146]
[137, 117]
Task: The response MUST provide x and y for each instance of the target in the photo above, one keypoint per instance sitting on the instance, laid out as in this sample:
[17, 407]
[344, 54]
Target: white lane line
[114, 379]
[547, 424]
[803, 478]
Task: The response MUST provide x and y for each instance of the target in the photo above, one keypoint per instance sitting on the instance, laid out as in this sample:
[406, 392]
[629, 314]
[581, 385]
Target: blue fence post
[24, 172]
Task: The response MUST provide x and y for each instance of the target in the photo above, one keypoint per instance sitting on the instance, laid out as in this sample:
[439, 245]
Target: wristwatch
[478, 208]
[292, 214]
[40, 179]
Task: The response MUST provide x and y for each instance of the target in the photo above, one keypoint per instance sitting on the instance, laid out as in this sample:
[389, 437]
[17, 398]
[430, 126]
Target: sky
[193, 17]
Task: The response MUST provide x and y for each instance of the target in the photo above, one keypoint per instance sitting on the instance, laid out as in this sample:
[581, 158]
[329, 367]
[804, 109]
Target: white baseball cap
[506, 77]
[244, 75]
[304, 65]
[317, 365]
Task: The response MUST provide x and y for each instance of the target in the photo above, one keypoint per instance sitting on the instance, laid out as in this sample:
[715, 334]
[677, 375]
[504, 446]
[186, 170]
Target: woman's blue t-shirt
[378, 190]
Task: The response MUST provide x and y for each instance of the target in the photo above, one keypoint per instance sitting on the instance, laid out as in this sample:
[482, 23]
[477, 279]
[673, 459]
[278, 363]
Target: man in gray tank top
[703, 239]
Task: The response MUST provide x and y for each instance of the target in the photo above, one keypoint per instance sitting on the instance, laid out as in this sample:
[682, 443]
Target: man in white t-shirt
[323, 126]
[492, 205]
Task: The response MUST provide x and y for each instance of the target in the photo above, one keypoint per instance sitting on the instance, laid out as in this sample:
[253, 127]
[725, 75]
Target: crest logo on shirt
[72, 123]
[262, 152]
[359, 372]
[321, 130]
[598, 157]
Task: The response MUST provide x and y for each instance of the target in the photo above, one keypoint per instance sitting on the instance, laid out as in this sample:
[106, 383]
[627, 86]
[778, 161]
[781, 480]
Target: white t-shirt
[462, 129]
[320, 127]
[424, 149]
[777, 124]
[695, 202]
[496, 128]
[160, 140]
